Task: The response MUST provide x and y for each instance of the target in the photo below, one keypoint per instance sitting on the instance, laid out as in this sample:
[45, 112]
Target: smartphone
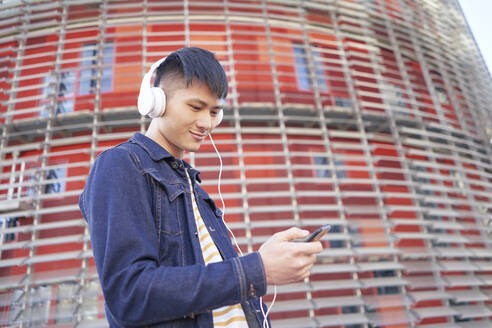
[316, 235]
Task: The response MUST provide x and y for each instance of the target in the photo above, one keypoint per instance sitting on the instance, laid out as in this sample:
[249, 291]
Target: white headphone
[152, 100]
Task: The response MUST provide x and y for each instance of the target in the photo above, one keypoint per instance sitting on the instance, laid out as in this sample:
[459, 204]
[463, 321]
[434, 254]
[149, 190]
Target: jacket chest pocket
[168, 211]
[209, 210]
[209, 206]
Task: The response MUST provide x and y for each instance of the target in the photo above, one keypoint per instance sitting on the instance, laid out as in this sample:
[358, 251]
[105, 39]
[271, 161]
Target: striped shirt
[230, 316]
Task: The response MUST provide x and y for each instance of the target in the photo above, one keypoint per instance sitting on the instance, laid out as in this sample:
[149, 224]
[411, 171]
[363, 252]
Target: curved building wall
[373, 116]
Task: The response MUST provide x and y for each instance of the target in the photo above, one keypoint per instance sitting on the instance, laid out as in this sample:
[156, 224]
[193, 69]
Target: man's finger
[290, 234]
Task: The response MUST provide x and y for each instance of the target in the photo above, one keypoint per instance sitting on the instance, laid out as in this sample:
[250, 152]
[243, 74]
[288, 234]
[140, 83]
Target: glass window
[340, 170]
[442, 96]
[386, 290]
[336, 243]
[107, 73]
[343, 102]
[348, 310]
[318, 69]
[64, 98]
[321, 167]
[416, 169]
[459, 181]
[88, 72]
[459, 318]
[371, 5]
[303, 81]
[322, 170]
[354, 234]
[39, 305]
[8, 223]
[302, 68]
[91, 299]
[66, 302]
[15, 308]
[57, 175]
[33, 182]
[394, 95]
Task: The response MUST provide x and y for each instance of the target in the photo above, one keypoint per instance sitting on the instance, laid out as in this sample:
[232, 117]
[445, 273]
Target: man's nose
[205, 121]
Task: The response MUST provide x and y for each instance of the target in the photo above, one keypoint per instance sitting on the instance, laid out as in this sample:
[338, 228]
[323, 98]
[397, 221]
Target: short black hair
[191, 63]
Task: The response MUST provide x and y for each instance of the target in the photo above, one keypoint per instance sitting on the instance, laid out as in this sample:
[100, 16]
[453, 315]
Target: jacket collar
[157, 153]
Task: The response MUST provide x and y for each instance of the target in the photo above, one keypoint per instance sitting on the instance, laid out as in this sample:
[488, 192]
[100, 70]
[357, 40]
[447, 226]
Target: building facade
[373, 116]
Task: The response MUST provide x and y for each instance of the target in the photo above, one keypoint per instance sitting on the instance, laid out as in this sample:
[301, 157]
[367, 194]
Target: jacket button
[252, 291]
[174, 165]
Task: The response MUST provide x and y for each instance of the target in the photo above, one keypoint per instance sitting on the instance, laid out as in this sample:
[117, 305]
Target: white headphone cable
[265, 315]
[222, 199]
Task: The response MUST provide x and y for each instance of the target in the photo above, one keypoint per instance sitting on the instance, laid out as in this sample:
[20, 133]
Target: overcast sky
[478, 13]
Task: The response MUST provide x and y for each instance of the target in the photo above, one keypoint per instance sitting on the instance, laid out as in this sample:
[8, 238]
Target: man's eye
[195, 107]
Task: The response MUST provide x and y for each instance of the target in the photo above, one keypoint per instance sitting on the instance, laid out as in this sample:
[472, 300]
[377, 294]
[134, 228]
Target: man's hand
[286, 262]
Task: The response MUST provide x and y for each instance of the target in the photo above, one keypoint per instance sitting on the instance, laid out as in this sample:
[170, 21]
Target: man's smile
[198, 135]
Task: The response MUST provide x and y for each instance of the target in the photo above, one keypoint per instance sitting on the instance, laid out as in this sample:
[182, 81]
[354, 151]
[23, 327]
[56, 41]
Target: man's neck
[158, 138]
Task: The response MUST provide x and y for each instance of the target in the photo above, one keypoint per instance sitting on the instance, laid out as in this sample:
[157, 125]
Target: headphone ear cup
[158, 102]
[151, 100]
[220, 116]
[145, 97]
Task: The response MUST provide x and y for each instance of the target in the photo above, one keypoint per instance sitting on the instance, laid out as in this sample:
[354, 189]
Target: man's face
[191, 113]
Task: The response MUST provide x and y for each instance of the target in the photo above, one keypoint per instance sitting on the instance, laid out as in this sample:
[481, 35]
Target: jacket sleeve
[117, 204]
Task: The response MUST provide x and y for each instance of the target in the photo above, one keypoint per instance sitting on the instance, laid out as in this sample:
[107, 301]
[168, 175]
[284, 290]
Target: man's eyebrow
[204, 103]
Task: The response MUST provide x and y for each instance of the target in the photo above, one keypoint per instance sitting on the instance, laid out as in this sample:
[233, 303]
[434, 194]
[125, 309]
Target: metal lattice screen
[373, 116]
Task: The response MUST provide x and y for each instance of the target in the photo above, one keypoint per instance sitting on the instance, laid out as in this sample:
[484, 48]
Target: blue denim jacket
[137, 204]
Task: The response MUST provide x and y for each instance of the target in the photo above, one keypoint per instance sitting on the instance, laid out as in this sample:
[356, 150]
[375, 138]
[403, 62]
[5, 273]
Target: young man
[162, 251]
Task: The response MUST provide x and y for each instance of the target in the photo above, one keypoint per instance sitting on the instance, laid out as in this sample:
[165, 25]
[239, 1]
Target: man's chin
[193, 148]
